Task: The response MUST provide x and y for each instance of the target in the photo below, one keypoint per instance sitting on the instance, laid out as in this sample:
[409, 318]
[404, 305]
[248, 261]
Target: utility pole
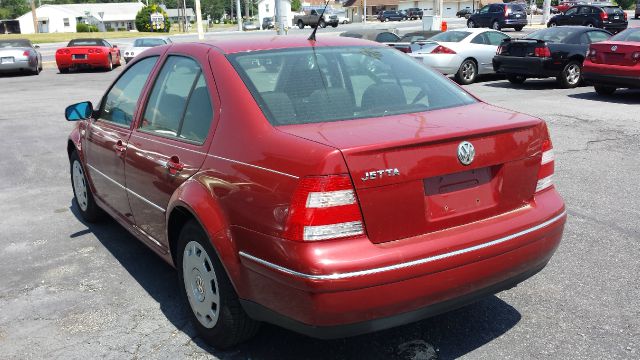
[547, 10]
[364, 11]
[35, 17]
[199, 20]
[279, 17]
[184, 13]
[239, 15]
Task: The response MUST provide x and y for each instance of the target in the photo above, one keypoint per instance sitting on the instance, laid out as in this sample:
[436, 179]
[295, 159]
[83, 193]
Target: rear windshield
[312, 85]
[632, 34]
[85, 42]
[554, 35]
[517, 8]
[14, 43]
[148, 42]
[450, 36]
[615, 10]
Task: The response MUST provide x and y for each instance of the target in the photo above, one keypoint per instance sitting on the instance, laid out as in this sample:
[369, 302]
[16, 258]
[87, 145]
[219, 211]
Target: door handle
[119, 147]
[174, 166]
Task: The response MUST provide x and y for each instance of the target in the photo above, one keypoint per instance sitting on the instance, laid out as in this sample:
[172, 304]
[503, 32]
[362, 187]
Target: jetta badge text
[466, 153]
[377, 174]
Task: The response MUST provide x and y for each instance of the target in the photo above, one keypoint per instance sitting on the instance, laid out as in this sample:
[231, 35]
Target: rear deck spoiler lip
[524, 40]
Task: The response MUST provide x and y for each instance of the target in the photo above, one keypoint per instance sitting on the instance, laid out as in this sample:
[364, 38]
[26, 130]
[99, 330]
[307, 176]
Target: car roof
[258, 43]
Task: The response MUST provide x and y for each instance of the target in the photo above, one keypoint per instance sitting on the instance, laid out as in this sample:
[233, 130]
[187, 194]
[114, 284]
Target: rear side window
[555, 34]
[179, 105]
[517, 8]
[119, 105]
[311, 85]
[597, 36]
[613, 10]
[387, 37]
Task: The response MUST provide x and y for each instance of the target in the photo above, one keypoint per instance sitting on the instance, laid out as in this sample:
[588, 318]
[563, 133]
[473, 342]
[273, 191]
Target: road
[73, 290]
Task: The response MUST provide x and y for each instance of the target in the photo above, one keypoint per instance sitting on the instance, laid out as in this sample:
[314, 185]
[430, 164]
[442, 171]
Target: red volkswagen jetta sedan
[332, 187]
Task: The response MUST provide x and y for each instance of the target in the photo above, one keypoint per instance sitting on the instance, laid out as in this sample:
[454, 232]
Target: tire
[335, 25]
[589, 24]
[571, 75]
[386, 19]
[604, 90]
[471, 24]
[467, 73]
[63, 70]
[300, 24]
[322, 24]
[109, 63]
[495, 25]
[518, 28]
[82, 195]
[36, 71]
[552, 24]
[516, 79]
[206, 283]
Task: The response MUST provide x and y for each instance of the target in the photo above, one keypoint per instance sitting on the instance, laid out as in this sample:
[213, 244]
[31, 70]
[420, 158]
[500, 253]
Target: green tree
[143, 18]
[11, 9]
[296, 5]
[625, 4]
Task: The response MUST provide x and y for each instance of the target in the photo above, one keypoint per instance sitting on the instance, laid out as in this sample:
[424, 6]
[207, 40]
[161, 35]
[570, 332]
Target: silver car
[465, 53]
[142, 44]
[20, 55]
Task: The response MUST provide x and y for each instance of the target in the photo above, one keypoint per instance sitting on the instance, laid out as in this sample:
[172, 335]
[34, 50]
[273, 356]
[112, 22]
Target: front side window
[179, 105]
[571, 11]
[484, 10]
[312, 85]
[119, 105]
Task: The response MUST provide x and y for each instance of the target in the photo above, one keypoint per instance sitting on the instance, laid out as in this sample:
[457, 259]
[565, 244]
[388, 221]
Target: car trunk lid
[615, 53]
[409, 179]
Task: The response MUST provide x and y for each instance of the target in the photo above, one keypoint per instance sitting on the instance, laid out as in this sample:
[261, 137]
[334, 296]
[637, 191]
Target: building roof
[178, 12]
[112, 11]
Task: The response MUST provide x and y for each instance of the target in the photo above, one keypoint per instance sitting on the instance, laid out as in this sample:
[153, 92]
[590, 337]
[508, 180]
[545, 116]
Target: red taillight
[604, 16]
[542, 52]
[506, 10]
[442, 50]
[591, 53]
[67, 51]
[545, 174]
[26, 53]
[98, 51]
[625, 16]
[90, 51]
[324, 207]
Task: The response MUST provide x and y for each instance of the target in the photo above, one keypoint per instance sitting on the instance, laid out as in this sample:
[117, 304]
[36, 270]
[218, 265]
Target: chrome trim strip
[127, 189]
[405, 264]
[167, 143]
[254, 166]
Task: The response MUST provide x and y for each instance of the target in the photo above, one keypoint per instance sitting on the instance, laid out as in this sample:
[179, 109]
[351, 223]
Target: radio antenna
[312, 37]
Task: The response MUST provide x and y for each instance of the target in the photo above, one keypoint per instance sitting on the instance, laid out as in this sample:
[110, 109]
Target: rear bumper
[515, 22]
[17, 66]
[527, 66]
[619, 81]
[615, 27]
[335, 298]
[92, 61]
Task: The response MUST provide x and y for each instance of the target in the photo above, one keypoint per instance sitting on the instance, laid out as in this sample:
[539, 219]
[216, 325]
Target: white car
[343, 19]
[142, 44]
[465, 53]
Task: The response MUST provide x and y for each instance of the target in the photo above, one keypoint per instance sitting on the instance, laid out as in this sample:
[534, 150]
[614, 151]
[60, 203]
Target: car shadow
[446, 336]
[13, 74]
[627, 96]
[529, 84]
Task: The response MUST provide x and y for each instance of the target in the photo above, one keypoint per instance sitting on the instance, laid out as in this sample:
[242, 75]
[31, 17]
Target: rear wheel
[335, 25]
[518, 28]
[322, 24]
[471, 24]
[604, 90]
[571, 75]
[215, 309]
[467, 72]
[63, 70]
[300, 24]
[589, 24]
[495, 25]
[109, 63]
[552, 24]
[83, 197]
[516, 79]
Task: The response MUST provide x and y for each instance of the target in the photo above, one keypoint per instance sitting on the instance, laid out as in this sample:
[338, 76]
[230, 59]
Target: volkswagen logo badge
[466, 153]
[614, 48]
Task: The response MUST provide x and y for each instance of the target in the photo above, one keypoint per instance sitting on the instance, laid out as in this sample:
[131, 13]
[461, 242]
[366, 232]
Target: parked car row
[608, 17]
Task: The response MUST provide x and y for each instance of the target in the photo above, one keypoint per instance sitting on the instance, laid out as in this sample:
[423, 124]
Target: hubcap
[201, 284]
[80, 186]
[573, 74]
[468, 71]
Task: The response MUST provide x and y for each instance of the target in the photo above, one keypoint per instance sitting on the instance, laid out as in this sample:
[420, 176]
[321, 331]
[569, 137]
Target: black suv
[414, 13]
[608, 17]
[390, 15]
[499, 16]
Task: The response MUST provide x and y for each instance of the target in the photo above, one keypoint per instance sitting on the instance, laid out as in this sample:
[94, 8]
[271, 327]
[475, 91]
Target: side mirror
[79, 111]
[36, 46]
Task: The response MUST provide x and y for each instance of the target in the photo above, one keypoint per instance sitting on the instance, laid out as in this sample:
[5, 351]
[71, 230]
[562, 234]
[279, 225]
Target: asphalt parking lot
[73, 290]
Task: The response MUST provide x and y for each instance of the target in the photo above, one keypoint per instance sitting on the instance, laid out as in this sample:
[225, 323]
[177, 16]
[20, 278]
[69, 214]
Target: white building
[176, 14]
[267, 8]
[63, 18]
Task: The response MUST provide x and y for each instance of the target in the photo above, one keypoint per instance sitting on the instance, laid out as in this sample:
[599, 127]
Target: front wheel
[322, 24]
[471, 24]
[516, 79]
[467, 72]
[552, 24]
[335, 25]
[604, 90]
[518, 28]
[571, 75]
[109, 63]
[215, 309]
[495, 25]
[300, 24]
[82, 195]
[589, 25]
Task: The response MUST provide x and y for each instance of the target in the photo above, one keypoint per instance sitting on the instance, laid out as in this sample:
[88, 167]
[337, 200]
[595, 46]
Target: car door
[171, 138]
[583, 16]
[570, 17]
[482, 17]
[108, 134]
[485, 46]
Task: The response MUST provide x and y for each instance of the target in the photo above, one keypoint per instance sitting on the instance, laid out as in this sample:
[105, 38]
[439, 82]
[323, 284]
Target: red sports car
[88, 54]
[614, 63]
[333, 187]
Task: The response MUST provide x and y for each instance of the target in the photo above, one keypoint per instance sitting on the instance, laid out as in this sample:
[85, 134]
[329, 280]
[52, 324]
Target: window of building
[66, 21]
